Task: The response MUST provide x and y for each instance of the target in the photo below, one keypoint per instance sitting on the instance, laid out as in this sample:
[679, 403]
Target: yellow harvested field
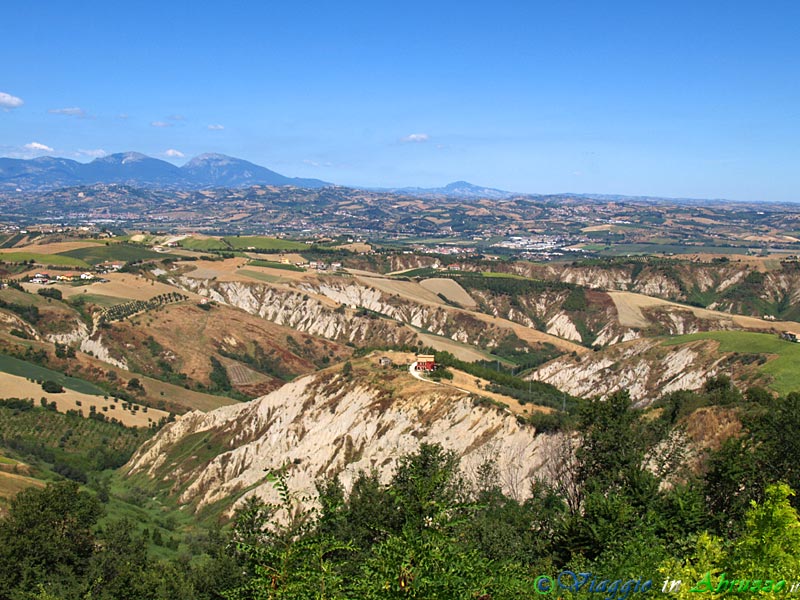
[229, 270]
[397, 357]
[358, 247]
[466, 382]
[224, 270]
[51, 248]
[763, 264]
[12, 386]
[780, 239]
[292, 257]
[604, 227]
[629, 308]
[406, 289]
[530, 335]
[123, 285]
[460, 351]
[417, 293]
[450, 289]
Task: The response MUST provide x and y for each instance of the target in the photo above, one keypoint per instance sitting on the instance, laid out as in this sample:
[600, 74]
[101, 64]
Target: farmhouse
[426, 362]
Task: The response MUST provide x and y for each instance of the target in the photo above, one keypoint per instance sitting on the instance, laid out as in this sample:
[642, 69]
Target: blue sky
[688, 99]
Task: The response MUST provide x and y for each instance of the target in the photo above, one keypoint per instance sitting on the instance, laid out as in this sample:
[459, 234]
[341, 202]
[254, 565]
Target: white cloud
[172, 153]
[37, 147]
[415, 138]
[7, 101]
[176, 118]
[314, 163]
[122, 116]
[97, 153]
[72, 111]
[216, 127]
[161, 124]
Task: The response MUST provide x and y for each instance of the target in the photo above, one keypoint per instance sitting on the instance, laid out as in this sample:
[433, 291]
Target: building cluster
[47, 279]
[319, 265]
[533, 243]
[43, 278]
[447, 250]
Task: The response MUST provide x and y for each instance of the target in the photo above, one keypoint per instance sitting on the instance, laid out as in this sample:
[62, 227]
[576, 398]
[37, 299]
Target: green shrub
[51, 387]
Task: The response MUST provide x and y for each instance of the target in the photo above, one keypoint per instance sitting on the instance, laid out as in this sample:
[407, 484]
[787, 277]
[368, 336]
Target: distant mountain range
[206, 170]
[133, 168]
[220, 171]
[462, 190]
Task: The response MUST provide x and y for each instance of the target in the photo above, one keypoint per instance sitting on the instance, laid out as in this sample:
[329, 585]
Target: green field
[112, 252]
[192, 243]
[260, 276]
[274, 265]
[648, 249]
[264, 243]
[428, 272]
[101, 300]
[29, 299]
[58, 260]
[784, 369]
[21, 368]
[503, 275]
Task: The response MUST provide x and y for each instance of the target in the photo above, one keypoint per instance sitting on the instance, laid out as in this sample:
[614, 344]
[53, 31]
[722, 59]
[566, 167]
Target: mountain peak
[226, 171]
[459, 184]
[123, 158]
[457, 189]
[212, 157]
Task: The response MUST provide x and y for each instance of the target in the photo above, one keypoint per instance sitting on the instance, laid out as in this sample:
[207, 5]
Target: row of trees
[126, 309]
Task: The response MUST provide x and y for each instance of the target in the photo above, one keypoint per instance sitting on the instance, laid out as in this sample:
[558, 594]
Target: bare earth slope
[328, 424]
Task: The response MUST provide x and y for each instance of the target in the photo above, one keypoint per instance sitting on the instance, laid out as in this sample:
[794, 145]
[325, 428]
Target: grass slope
[21, 368]
[783, 368]
[263, 243]
[203, 244]
[118, 252]
[58, 260]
